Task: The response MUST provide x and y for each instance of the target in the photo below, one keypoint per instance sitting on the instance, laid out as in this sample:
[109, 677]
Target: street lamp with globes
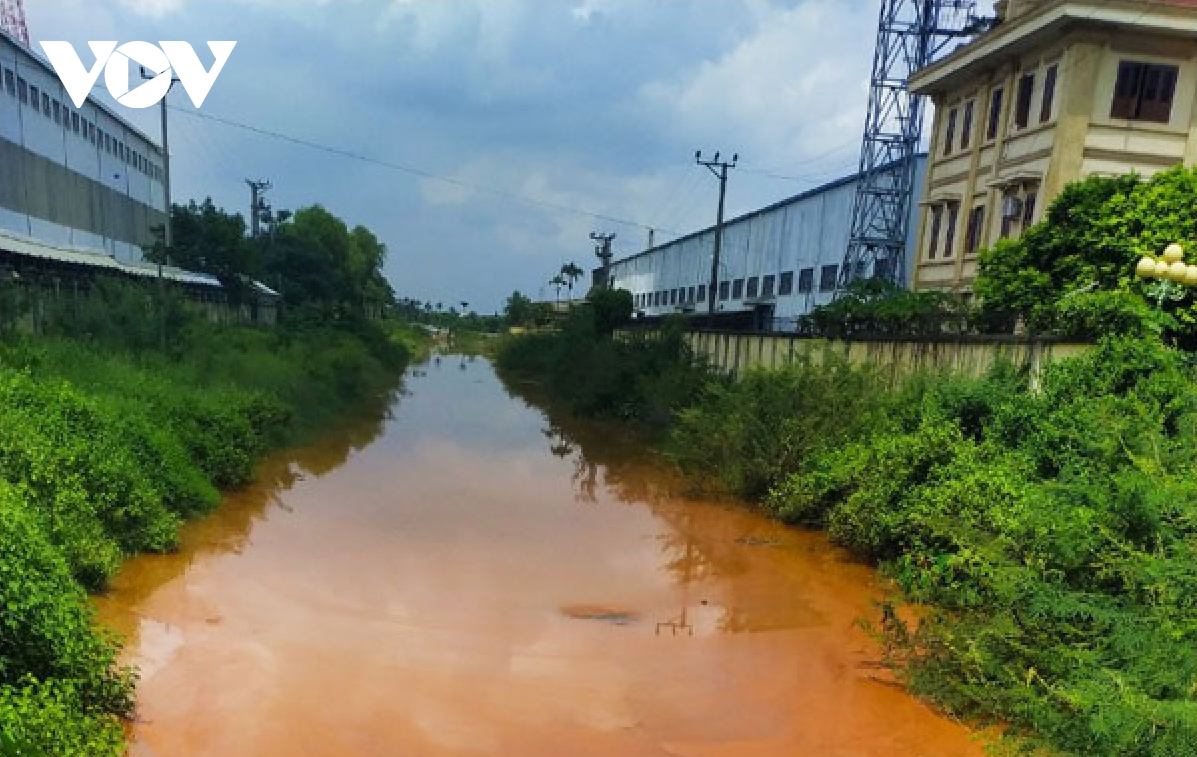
[1171, 277]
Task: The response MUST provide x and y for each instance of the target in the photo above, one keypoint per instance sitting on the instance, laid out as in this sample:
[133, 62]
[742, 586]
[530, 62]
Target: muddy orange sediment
[466, 577]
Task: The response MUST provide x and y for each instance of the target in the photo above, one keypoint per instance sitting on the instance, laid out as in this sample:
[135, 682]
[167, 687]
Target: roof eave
[1030, 31]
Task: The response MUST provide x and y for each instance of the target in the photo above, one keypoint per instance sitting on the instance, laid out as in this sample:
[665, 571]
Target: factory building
[82, 194]
[75, 177]
[777, 263]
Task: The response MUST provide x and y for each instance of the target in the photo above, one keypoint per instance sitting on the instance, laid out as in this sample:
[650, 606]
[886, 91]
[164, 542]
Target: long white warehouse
[78, 177]
[780, 262]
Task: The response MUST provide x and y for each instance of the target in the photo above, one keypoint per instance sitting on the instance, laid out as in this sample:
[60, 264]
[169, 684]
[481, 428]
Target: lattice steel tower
[911, 34]
[12, 19]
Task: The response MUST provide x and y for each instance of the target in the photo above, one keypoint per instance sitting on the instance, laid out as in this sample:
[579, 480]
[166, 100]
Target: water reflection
[229, 530]
[479, 573]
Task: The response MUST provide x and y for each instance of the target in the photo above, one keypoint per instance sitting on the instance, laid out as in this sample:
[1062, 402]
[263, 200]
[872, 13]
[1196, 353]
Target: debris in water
[601, 614]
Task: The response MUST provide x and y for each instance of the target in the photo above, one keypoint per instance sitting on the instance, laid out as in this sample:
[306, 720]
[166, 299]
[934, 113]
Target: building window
[754, 287]
[22, 91]
[35, 96]
[1022, 110]
[1049, 93]
[806, 280]
[737, 289]
[690, 294]
[949, 244]
[786, 286]
[45, 104]
[1028, 210]
[995, 115]
[827, 278]
[702, 292]
[57, 113]
[724, 290]
[950, 133]
[1144, 92]
[673, 297]
[966, 126]
[976, 220]
[936, 226]
[10, 82]
[75, 122]
[767, 285]
[91, 132]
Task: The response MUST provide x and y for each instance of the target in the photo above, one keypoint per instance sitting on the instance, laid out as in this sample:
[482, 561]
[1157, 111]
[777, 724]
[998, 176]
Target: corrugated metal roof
[36, 248]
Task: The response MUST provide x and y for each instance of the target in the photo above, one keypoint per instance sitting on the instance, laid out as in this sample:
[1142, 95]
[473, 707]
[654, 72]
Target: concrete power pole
[602, 249]
[720, 170]
[256, 201]
[168, 238]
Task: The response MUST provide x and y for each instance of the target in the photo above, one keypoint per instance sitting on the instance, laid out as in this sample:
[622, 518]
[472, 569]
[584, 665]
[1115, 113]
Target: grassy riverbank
[1050, 535]
[105, 450]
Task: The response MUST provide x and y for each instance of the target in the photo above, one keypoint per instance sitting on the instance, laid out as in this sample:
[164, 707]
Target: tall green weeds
[105, 450]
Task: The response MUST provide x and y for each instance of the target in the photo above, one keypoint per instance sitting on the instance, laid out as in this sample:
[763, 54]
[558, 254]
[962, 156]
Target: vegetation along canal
[474, 575]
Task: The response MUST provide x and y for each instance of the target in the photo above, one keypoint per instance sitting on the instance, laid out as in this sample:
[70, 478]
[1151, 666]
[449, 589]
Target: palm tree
[571, 272]
[558, 281]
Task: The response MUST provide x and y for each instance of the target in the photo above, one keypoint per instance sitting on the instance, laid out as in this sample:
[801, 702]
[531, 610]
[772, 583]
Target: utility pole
[256, 204]
[652, 238]
[720, 169]
[602, 249]
[167, 231]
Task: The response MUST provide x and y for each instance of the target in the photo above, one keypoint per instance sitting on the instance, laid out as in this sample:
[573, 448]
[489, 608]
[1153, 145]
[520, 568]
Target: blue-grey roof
[801, 196]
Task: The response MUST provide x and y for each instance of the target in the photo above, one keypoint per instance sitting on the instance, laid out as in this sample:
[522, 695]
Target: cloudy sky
[538, 111]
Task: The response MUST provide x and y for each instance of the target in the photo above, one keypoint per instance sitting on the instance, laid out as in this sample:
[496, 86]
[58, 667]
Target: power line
[344, 153]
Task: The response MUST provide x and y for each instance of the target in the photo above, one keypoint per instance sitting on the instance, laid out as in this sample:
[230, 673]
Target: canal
[470, 574]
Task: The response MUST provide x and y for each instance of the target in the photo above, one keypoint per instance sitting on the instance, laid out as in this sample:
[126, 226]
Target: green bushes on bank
[639, 377]
[1050, 535]
[105, 450]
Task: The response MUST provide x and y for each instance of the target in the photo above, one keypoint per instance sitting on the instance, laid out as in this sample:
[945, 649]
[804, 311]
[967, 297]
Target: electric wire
[412, 170]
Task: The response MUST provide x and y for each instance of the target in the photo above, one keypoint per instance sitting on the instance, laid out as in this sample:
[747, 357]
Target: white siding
[28, 125]
[807, 232]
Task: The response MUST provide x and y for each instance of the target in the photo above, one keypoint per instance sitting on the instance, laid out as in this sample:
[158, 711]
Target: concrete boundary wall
[733, 354]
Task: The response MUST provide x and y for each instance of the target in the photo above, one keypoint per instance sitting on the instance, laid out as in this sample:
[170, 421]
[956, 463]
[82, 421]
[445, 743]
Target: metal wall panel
[808, 231]
[59, 185]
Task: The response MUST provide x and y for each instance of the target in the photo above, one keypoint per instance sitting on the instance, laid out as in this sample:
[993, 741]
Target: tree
[558, 281]
[612, 309]
[519, 310]
[571, 273]
[1087, 247]
[320, 263]
[208, 239]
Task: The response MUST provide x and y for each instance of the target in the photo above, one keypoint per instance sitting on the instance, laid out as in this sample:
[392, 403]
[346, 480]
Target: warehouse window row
[72, 121]
[749, 288]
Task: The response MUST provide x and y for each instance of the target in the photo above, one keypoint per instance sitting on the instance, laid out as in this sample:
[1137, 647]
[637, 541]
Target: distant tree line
[310, 257]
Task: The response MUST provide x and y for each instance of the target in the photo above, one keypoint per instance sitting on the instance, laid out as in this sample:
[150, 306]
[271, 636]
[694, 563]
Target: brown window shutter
[1049, 94]
[1126, 90]
[936, 226]
[950, 241]
[966, 127]
[950, 133]
[995, 114]
[976, 220]
[1026, 89]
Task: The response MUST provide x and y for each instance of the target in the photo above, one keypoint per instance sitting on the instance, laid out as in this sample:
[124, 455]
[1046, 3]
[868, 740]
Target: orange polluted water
[473, 576]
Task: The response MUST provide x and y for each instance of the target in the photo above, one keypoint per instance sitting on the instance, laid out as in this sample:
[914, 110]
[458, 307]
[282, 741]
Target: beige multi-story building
[1056, 91]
